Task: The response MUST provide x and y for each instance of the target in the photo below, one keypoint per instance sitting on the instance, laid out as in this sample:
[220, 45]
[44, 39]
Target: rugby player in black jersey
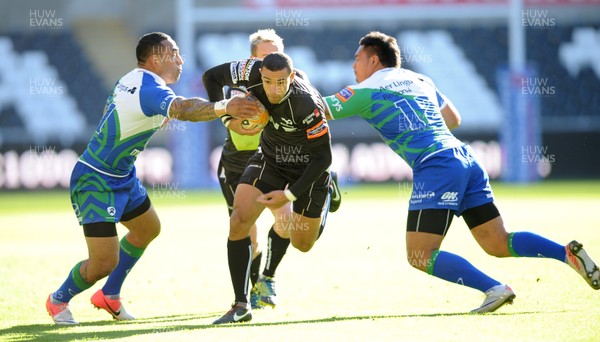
[236, 151]
[291, 164]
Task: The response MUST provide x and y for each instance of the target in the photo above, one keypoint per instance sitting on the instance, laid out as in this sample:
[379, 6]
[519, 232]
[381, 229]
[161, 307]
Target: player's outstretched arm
[328, 114]
[198, 109]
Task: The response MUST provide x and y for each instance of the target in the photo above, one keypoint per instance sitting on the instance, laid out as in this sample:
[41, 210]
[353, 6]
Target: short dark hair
[383, 46]
[148, 44]
[276, 61]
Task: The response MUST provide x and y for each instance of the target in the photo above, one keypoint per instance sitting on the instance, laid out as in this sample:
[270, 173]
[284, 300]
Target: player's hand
[235, 125]
[241, 107]
[273, 200]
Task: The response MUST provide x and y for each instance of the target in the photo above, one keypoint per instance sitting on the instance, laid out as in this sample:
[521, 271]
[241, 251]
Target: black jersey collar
[285, 97]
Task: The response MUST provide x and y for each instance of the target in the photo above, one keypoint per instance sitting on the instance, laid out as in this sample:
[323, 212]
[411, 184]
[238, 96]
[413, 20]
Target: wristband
[289, 195]
[221, 107]
[226, 120]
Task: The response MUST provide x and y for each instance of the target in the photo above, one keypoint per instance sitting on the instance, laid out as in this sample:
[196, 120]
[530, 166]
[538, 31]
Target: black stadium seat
[65, 54]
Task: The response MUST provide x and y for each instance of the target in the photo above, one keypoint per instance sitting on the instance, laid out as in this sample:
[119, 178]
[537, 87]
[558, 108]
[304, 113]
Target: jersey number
[410, 120]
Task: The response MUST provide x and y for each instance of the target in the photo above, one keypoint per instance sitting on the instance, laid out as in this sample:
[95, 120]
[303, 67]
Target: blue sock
[73, 285]
[128, 256]
[455, 269]
[526, 244]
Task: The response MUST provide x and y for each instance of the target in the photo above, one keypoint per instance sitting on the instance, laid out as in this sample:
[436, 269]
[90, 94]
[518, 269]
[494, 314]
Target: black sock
[276, 249]
[239, 255]
[255, 268]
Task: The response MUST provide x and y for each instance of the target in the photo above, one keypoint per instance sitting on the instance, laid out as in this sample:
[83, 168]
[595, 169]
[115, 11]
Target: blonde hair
[265, 35]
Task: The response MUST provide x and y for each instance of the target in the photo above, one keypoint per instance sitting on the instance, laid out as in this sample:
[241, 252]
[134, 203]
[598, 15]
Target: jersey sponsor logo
[111, 211]
[163, 105]
[122, 87]
[248, 69]
[449, 196]
[311, 117]
[135, 152]
[396, 84]
[233, 71]
[240, 70]
[345, 94]
[317, 130]
[335, 102]
[422, 195]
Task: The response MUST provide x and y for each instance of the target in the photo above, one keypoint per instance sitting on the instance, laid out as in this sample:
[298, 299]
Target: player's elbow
[454, 122]
[206, 78]
[451, 116]
[212, 86]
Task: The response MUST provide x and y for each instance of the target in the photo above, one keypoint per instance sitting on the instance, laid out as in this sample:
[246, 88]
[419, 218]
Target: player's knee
[302, 245]
[495, 244]
[499, 250]
[239, 227]
[256, 250]
[239, 221]
[235, 221]
[154, 231]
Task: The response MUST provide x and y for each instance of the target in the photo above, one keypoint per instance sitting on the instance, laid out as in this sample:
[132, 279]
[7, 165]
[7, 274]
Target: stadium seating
[47, 86]
[474, 52]
[464, 58]
[577, 101]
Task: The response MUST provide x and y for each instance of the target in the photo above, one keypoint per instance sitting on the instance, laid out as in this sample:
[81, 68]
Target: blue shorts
[451, 179]
[101, 198]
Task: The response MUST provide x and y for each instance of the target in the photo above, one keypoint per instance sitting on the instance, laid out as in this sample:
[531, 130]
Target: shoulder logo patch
[345, 94]
[317, 130]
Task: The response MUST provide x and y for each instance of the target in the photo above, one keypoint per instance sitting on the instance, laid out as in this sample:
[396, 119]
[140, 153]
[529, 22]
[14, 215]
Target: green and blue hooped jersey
[135, 110]
[404, 108]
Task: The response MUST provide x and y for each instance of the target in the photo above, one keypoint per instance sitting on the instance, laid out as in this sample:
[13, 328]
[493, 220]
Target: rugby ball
[259, 120]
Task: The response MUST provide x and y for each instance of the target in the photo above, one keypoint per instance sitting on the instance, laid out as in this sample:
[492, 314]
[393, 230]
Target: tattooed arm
[199, 109]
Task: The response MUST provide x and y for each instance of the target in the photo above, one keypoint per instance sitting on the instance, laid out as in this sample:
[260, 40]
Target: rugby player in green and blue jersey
[104, 186]
[414, 118]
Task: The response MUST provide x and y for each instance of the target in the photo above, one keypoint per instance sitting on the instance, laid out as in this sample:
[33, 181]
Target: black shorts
[437, 221]
[267, 177]
[228, 180]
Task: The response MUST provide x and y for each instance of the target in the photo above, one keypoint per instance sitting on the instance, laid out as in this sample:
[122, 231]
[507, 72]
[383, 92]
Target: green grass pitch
[355, 284]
